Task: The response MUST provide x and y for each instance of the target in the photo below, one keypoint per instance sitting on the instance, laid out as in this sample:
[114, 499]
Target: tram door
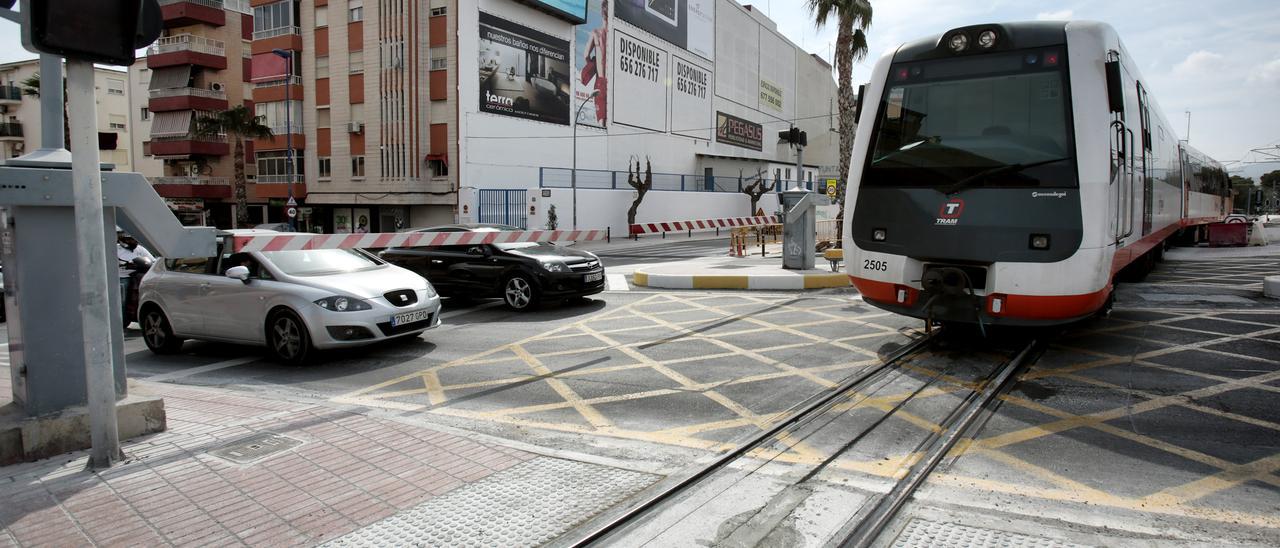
[1145, 170]
[1123, 151]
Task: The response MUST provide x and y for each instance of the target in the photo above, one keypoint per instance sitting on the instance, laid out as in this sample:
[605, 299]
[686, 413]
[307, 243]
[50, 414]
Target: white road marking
[460, 312]
[202, 369]
[616, 282]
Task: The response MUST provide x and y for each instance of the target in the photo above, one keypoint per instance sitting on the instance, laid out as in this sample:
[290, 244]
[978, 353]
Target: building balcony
[187, 49]
[276, 90]
[181, 13]
[280, 188]
[192, 187]
[10, 94]
[164, 100]
[186, 146]
[279, 31]
[280, 140]
[286, 38]
[10, 131]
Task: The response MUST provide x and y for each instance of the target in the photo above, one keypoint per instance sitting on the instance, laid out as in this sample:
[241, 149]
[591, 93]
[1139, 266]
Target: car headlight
[555, 266]
[342, 304]
[431, 290]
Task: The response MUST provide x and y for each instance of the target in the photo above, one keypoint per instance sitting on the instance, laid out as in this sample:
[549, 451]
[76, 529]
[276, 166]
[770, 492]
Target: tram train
[1010, 174]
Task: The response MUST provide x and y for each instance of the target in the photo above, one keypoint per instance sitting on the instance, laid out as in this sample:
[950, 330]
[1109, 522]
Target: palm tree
[238, 123]
[31, 88]
[853, 18]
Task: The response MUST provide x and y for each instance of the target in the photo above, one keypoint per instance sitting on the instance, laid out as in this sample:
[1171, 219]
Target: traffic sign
[832, 184]
[291, 212]
[291, 202]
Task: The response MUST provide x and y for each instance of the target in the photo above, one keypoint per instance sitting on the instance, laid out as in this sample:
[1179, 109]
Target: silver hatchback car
[292, 302]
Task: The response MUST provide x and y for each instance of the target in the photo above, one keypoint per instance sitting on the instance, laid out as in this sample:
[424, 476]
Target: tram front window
[990, 120]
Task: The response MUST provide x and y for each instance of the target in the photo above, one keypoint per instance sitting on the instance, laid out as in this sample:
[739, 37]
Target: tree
[757, 189]
[1270, 184]
[238, 123]
[853, 18]
[31, 88]
[552, 220]
[642, 186]
[1242, 190]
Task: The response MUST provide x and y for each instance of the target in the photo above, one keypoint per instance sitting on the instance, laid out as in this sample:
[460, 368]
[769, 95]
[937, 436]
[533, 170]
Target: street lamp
[573, 174]
[288, 128]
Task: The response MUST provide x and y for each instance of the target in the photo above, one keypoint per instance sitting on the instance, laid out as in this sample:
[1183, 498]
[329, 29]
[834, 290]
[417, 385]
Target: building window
[275, 116]
[322, 16]
[439, 58]
[355, 10]
[275, 19]
[357, 166]
[326, 167]
[355, 62]
[145, 114]
[322, 117]
[436, 12]
[115, 87]
[273, 166]
[116, 121]
[438, 168]
[322, 66]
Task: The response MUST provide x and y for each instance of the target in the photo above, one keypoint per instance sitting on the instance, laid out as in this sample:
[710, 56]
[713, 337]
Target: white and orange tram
[1009, 173]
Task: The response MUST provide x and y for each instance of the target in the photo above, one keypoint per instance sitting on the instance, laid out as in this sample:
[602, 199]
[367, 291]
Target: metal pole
[51, 115]
[92, 253]
[800, 166]
[288, 136]
[573, 172]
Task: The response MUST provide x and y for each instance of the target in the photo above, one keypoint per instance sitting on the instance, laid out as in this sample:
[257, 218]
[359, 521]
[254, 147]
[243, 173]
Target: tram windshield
[988, 120]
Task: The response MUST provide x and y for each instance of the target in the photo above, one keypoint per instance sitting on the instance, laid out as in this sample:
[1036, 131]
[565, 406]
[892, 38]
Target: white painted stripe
[671, 281]
[775, 282]
[465, 311]
[405, 239]
[616, 282]
[202, 369]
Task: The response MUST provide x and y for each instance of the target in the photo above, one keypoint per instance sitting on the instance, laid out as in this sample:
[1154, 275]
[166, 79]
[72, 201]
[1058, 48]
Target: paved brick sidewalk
[349, 472]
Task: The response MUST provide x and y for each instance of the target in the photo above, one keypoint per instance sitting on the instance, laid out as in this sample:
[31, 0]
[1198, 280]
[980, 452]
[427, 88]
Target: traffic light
[101, 31]
[794, 136]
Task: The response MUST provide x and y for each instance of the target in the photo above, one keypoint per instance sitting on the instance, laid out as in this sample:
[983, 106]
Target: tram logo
[949, 213]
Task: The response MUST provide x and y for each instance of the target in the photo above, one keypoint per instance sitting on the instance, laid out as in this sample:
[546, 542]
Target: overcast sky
[1220, 59]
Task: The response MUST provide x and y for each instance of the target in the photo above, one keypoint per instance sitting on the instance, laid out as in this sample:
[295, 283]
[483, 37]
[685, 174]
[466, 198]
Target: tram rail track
[870, 522]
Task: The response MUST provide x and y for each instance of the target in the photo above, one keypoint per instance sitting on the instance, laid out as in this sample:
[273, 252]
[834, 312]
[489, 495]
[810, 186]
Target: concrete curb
[779, 281]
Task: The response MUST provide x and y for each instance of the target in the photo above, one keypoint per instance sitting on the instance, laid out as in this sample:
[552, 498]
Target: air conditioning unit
[355, 127]
[216, 86]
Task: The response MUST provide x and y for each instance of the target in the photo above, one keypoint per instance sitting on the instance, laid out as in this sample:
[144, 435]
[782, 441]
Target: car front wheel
[157, 333]
[287, 338]
[519, 293]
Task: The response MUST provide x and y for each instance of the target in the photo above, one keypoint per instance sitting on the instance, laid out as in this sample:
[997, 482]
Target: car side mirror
[478, 250]
[239, 273]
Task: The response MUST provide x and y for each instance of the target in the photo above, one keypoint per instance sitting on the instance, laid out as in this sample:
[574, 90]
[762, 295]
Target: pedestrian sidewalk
[306, 474]
[731, 272]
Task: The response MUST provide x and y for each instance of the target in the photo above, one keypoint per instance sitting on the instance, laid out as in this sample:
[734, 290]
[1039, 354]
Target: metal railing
[10, 129]
[274, 179]
[281, 129]
[294, 80]
[197, 180]
[188, 42]
[216, 4]
[554, 177]
[188, 92]
[222, 138]
[10, 93]
[278, 31]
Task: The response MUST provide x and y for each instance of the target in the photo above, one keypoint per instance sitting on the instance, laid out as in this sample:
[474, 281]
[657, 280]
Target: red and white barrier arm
[705, 224]
[288, 242]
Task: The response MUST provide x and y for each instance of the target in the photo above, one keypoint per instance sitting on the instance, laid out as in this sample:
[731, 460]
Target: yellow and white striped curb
[783, 280]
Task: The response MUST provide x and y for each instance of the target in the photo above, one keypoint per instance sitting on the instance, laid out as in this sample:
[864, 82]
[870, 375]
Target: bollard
[608, 234]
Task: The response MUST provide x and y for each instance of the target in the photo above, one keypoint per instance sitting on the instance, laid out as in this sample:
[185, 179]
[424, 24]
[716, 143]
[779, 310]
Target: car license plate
[410, 317]
[593, 277]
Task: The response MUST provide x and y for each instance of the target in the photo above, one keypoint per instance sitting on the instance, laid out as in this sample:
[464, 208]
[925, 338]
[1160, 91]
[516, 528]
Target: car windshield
[987, 120]
[318, 262]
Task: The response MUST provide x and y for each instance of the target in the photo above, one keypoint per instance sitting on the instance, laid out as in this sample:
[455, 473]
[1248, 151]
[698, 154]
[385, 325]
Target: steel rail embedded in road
[806, 413]
[866, 530]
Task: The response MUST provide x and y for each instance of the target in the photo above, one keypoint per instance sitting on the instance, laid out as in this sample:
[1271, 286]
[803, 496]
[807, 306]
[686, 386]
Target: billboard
[689, 24]
[732, 130]
[573, 10]
[523, 73]
[640, 78]
[591, 61]
[690, 98]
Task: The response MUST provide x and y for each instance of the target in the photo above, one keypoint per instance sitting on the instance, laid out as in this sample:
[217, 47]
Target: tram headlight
[959, 42]
[879, 234]
[1039, 241]
[987, 39]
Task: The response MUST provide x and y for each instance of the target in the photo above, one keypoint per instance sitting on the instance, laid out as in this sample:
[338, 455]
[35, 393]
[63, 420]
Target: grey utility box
[798, 227]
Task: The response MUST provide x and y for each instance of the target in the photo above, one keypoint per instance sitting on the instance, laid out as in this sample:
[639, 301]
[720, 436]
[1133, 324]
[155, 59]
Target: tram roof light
[959, 42]
[987, 39]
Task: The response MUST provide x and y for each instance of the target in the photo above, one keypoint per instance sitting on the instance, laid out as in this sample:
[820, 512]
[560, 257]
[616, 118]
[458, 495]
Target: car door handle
[204, 288]
[437, 261]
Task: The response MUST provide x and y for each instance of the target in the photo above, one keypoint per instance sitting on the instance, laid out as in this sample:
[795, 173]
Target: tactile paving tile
[932, 534]
[526, 505]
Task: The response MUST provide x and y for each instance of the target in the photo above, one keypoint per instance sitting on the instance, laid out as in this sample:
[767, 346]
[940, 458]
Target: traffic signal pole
[91, 255]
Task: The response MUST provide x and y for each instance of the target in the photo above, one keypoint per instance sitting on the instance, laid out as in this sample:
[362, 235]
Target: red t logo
[951, 209]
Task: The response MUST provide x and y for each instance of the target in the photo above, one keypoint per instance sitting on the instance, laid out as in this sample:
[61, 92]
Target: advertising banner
[690, 99]
[640, 79]
[732, 130]
[591, 62]
[573, 10]
[770, 95]
[523, 73]
[689, 24]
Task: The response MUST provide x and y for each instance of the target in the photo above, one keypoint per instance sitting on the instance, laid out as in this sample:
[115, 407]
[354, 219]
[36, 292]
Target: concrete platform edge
[772, 282]
[27, 439]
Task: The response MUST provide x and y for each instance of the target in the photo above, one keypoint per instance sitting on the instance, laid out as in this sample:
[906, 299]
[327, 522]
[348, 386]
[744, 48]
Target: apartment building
[20, 113]
[200, 65]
